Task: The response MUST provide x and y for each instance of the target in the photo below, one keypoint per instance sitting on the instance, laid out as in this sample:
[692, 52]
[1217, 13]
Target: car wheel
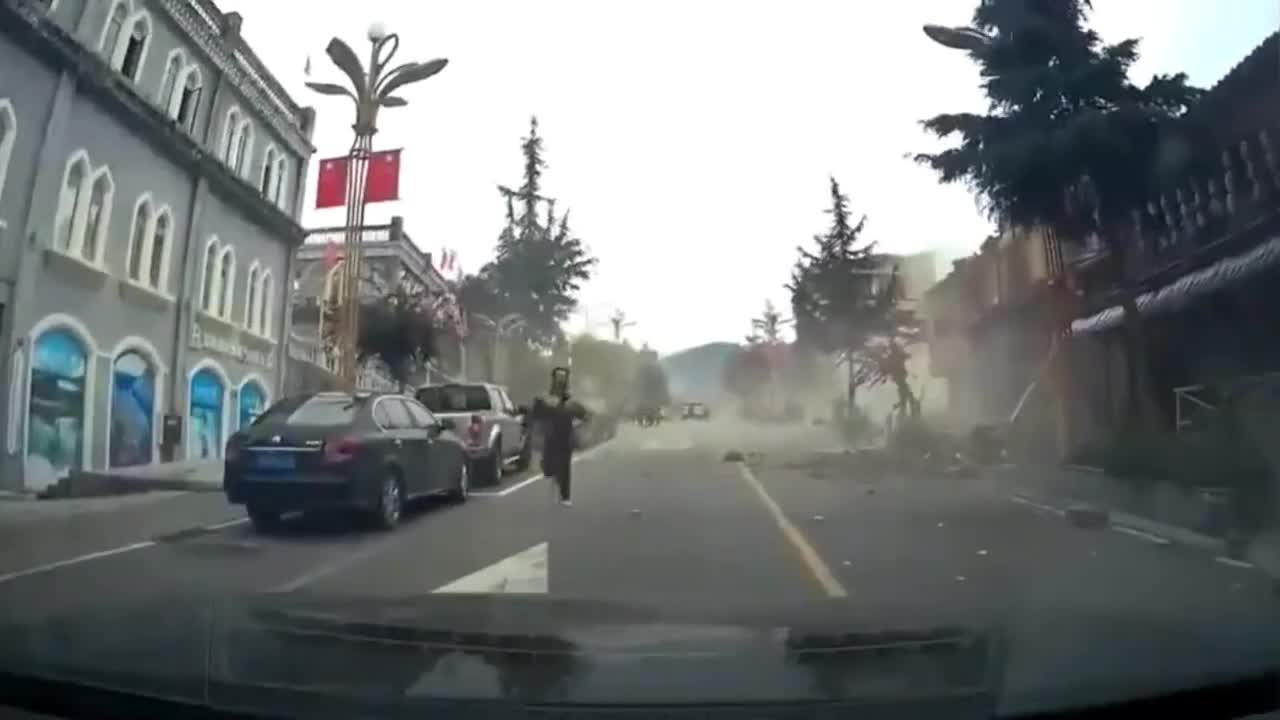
[263, 520]
[487, 471]
[461, 485]
[390, 502]
[525, 458]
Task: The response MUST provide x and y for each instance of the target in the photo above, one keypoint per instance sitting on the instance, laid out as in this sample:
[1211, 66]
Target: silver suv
[495, 431]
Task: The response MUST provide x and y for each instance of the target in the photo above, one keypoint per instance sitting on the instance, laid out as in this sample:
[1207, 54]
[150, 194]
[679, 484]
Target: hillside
[695, 373]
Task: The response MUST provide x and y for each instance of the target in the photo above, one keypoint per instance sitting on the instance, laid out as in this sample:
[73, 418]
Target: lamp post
[371, 88]
[959, 38]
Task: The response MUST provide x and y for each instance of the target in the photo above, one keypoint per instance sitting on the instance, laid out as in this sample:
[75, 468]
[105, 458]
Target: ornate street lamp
[959, 38]
[370, 89]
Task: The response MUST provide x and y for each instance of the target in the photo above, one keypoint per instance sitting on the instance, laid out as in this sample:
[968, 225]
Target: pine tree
[1068, 142]
[539, 264]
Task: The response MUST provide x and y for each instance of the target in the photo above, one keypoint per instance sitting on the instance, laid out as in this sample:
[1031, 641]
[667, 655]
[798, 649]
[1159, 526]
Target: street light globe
[377, 31]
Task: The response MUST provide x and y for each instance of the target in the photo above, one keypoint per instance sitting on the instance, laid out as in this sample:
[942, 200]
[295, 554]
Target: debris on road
[982, 552]
[733, 456]
[960, 578]
[818, 518]
[1089, 517]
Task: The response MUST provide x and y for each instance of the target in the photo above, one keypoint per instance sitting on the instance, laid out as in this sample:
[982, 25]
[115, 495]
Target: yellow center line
[816, 566]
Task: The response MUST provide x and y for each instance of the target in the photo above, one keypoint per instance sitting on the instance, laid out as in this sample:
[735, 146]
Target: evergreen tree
[539, 264]
[1068, 142]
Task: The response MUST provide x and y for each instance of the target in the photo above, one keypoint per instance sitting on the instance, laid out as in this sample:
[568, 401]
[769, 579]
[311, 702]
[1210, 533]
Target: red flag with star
[331, 184]
[383, 178]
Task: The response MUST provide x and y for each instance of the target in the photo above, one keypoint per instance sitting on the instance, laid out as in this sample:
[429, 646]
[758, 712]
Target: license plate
[274, 461]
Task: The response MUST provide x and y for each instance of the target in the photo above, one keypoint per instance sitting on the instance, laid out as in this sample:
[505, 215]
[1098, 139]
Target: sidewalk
[1160, 512]
[185, 476]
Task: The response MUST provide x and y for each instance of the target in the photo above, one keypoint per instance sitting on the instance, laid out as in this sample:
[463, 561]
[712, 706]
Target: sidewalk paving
[184, 476]
[1060, 489]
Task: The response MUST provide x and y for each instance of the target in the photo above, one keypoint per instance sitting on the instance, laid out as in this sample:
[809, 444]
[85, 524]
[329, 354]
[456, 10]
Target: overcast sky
[691, 138]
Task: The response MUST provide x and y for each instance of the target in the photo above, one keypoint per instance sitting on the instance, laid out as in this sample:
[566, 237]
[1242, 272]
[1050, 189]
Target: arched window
[135, 47]
[113, 30]
[158, 257]
[169, 85]
[188, 100]
[133, 407]
[230, 137]
[280, 191]
[98, 217]
[269, 173]
[8, 135]
[207, 403]
[138, 234]
[265, 304]
[251, 302]
[70, 201]
[209, 276]
[244, 149]
[226, 282]
[253, 400]
[56, 409]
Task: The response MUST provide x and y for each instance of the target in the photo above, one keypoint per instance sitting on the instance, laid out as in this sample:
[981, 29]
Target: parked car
[373, 452]
[495, 431]
[695, 411]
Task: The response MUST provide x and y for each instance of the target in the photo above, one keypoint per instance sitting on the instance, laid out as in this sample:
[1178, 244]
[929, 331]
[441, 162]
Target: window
[226, 281]
[98, 217]
[269, 172]
[320, 410]
[125, 39]
[142, 217]
[420, 414]
[455, 398]
[172, 69]
[244, 149]
[135, 47]
[208, 276]
[188, 100]
[70, 200]
[251, 302]
[397, 413]
[132, 410]
[111, 33]
[264, 304]
[230, 137]
[157, 274]
[84, 209]
[279, 193]
[8, 135]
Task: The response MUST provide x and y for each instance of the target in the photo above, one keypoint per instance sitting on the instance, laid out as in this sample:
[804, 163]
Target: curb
[93, 484]
[1152, 531]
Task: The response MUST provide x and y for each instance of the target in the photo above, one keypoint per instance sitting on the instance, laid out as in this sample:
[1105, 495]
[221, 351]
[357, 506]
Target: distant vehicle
[495, 430]
[374, 452]
[695, 411]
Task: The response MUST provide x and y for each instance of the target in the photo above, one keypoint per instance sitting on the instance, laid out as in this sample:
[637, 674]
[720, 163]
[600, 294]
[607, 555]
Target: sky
[691, 140]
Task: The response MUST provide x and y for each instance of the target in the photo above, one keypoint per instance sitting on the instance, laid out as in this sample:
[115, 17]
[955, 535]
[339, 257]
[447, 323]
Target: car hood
[542, 650]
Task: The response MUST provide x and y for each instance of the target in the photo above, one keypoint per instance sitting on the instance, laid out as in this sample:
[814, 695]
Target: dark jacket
[557, 421]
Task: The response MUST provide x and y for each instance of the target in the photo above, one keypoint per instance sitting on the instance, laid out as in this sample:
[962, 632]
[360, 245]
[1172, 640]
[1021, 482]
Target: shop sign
[202, 339]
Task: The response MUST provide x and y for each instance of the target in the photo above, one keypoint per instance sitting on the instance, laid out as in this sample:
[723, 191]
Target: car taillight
[475, 429]
[340, 449]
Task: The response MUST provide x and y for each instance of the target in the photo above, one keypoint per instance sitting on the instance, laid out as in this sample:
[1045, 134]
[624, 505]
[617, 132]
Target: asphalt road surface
[660, 521]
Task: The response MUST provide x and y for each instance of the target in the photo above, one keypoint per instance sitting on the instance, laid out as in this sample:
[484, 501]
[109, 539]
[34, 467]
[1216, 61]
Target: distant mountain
[695, 374]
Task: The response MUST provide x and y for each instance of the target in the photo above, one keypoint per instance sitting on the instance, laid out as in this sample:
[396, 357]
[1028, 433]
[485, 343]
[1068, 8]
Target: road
[660, 521]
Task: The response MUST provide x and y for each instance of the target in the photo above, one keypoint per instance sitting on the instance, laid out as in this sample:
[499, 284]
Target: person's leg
[565, 480]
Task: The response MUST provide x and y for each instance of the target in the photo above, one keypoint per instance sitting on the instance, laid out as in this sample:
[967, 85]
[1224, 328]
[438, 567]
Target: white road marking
[100, 554]
[1038, 506]
[342, 562]
[76, 560]
[1232, 562]
[529, 481]
[525, 572]
[227, 524]
[1141, 534]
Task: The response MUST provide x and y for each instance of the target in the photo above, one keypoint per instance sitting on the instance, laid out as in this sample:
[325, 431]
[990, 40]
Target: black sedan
[371, 452]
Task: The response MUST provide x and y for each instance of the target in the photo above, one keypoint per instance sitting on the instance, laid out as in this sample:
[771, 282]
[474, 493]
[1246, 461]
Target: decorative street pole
[370, 90]
[504, 327]
[959, 38]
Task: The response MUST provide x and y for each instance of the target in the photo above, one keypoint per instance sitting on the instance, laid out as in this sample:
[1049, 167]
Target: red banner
[382, 180]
